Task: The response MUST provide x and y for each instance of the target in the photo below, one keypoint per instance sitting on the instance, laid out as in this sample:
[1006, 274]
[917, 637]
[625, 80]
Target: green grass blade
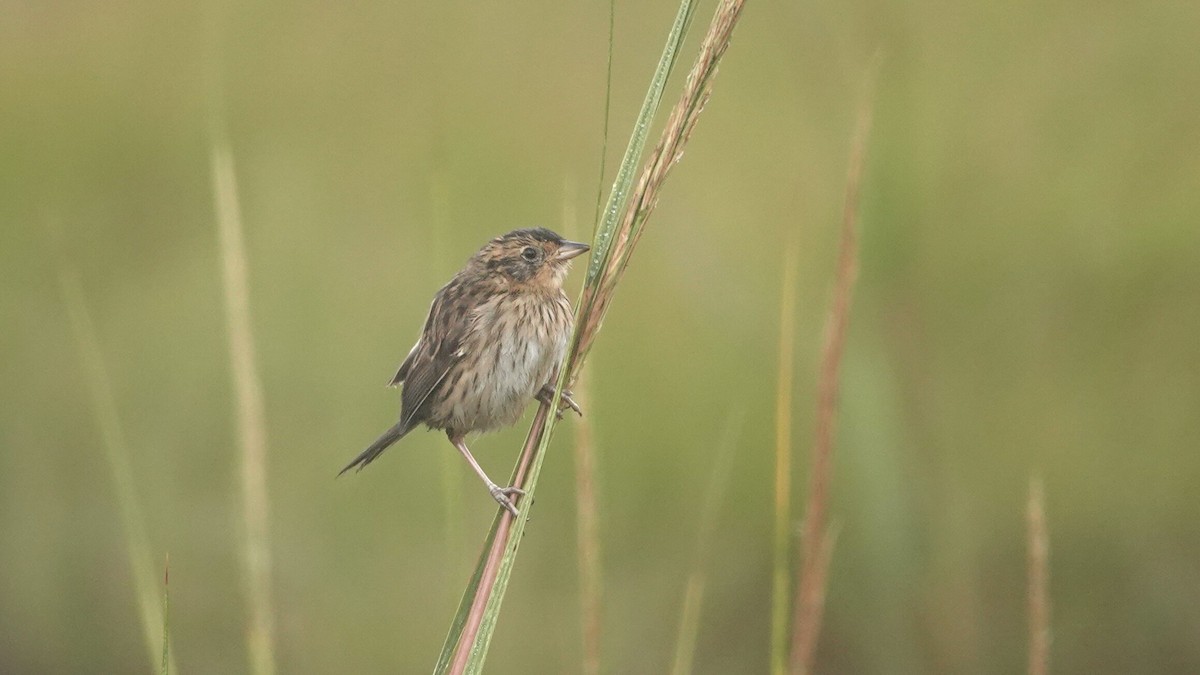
[612, 18]
[251, 416]
[602, 248]
[472, 628]
[464, 604]
[588, 542]
[714, 496]
[602, 242]
[165, 667]
[1038, 595]
[781, 568]
[689, 623]
[116, 451]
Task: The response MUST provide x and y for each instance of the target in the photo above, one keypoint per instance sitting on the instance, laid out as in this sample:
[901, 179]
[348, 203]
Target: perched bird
[492, 342]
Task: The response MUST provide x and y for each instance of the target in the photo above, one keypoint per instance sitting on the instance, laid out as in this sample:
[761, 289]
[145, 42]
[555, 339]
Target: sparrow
[492, 342]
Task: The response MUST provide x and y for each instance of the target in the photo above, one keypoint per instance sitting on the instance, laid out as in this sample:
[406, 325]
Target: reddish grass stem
[496, 551]
[594, 301]
[816, 543]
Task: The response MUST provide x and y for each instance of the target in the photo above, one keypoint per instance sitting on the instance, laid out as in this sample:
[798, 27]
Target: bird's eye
[529, 253]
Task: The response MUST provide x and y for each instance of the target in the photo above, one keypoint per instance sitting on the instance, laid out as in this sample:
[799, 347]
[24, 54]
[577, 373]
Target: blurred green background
[1029, 303]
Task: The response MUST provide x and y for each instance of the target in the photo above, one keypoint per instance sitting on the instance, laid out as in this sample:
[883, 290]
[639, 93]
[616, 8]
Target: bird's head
[535, 257]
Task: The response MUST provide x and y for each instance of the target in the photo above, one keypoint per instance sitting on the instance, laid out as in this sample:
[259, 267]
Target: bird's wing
[434, 355]
[402, 371]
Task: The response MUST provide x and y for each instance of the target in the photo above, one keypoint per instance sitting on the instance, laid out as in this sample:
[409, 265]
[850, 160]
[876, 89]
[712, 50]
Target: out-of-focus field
[1029, 303]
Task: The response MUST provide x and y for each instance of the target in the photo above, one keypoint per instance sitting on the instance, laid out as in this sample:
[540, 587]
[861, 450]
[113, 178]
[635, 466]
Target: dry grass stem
[467, 643]
[814, 539]
[811, 600]
[475, 634]
[588, 536]
[116, 451]
[1039, 581]
[165, 663]
[781, 569]
[252, 428]
[714, 497]
[644, 197]
[587, 513]
[689, 623]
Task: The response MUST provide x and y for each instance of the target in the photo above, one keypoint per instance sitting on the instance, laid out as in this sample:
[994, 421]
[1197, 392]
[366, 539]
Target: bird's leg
[500, 494]
[546, 394]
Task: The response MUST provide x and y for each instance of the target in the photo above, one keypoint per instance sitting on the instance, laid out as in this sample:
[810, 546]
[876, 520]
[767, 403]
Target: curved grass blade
[251, 416]
[602, 242]
[116, 451]
[714, 497]
[781, 568]
[165, 667]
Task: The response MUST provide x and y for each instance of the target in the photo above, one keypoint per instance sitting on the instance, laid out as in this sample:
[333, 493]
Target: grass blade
[714, 497]
[587, 512]
[461, 641]
[470, 635]
[618, 196]
[689, 623]
[252, 428]
[116, 451]
[612, 19]
[1039, 581]
[587, 515]
[165, 666]
[782, 569]
[816, 543]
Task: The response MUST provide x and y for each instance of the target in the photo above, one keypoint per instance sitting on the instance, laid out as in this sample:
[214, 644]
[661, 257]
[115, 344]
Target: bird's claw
[502, 495]
[565, 401]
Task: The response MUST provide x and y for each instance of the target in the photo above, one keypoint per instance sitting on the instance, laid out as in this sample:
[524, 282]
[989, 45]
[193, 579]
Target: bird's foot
[546, 394]
[502, 495]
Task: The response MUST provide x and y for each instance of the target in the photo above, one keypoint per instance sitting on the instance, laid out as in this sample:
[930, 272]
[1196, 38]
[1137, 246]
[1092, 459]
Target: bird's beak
[570, 249]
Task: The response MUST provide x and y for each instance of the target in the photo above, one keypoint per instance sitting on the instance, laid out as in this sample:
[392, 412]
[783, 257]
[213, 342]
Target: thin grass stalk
[470, 635]
[1039, 581]
[714, 498]
[781, 568]
[612, 22]
[464, 651]
[463, 645]
[667, 153]
[618, 196]
[165, 663]
[813, 603]
[816, 544]
[116, 451]
[587, 512]
[587, 515]
[451, 464]
[251, 418]
[689, 623]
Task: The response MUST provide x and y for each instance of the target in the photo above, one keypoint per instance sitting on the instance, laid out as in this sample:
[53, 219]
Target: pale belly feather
[497, 396]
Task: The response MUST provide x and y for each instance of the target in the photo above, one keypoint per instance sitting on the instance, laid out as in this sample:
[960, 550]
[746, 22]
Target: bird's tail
[365, 457]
